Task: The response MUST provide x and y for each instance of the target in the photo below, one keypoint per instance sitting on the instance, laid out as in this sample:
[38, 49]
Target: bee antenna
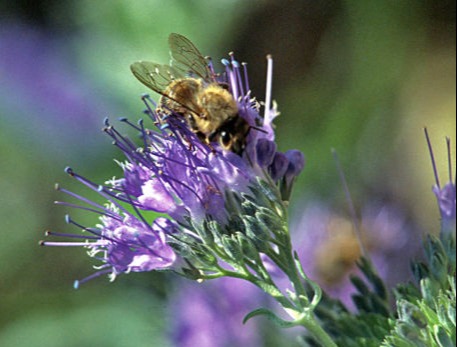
[258, 129]
[209, 61]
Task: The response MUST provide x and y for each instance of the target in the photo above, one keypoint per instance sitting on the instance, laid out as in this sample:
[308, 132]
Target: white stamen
[268, 88]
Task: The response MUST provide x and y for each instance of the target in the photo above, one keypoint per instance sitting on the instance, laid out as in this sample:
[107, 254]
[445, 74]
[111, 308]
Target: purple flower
[123, 241]
[203, 190]
[329, 247]
[446, 196]
[43, 92]
[210, 314]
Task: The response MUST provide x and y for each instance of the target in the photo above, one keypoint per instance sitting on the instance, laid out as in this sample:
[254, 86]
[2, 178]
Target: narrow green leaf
[271, 316]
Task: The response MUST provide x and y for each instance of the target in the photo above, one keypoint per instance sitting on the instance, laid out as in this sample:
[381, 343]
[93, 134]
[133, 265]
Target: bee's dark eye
[225, 138]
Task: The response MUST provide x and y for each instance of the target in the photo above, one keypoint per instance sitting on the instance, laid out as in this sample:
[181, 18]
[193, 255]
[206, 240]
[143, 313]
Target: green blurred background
[362, 77]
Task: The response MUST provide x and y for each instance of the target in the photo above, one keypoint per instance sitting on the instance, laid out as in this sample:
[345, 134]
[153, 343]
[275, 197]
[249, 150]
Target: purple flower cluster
[329, 247]
[184, 181]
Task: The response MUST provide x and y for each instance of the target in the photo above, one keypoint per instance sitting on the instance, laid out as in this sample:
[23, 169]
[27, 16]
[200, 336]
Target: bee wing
[158, 77]
[187, 58]
[153, 75]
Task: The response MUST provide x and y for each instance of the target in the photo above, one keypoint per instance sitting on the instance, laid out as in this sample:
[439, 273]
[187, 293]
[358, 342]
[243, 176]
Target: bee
[189, 89]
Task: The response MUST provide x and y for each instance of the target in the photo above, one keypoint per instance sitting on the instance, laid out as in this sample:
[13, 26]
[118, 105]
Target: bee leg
[190, 145]
[191, 122]
[207, 141]
[200, 136]
[213, 150]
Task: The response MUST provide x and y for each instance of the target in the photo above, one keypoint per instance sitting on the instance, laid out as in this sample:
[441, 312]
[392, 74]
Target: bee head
[232, 134]
[232, 142]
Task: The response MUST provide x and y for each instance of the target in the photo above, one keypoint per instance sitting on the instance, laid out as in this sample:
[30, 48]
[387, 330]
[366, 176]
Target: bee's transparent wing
[153, 75]
[187, 59]
[158, 77]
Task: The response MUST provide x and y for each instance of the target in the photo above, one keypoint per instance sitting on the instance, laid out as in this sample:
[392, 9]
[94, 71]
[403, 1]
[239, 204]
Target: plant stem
[316, 330]
[308, 320]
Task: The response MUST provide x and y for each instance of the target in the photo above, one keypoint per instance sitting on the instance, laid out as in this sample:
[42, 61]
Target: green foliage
[426, 317]
[365, 328]
[425, 311]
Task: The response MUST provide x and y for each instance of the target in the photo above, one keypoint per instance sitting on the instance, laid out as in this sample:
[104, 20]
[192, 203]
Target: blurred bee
[189, 89]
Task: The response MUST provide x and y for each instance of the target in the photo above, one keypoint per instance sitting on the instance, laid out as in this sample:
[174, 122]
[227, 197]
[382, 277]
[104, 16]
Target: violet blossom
[445, 195]
[210, 314]
[195, 188]
[329, 247]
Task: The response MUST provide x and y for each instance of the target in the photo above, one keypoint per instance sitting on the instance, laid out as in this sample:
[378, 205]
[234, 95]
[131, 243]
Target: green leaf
[205, 255]
[247, 247]
[257, 233]
[215, 229]
[360, 285]
[270, 192]
[442, 338]
[275, 223]
[269, 289]
[271, 316]
[249, 208]
[420, 271]
[317, 291]
[232, 248]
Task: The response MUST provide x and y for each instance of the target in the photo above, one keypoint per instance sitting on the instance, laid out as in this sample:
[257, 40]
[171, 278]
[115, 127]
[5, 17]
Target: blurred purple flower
[42, 91]
[446, 196]
[210, 314]
[176, 174]
[329, 248]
